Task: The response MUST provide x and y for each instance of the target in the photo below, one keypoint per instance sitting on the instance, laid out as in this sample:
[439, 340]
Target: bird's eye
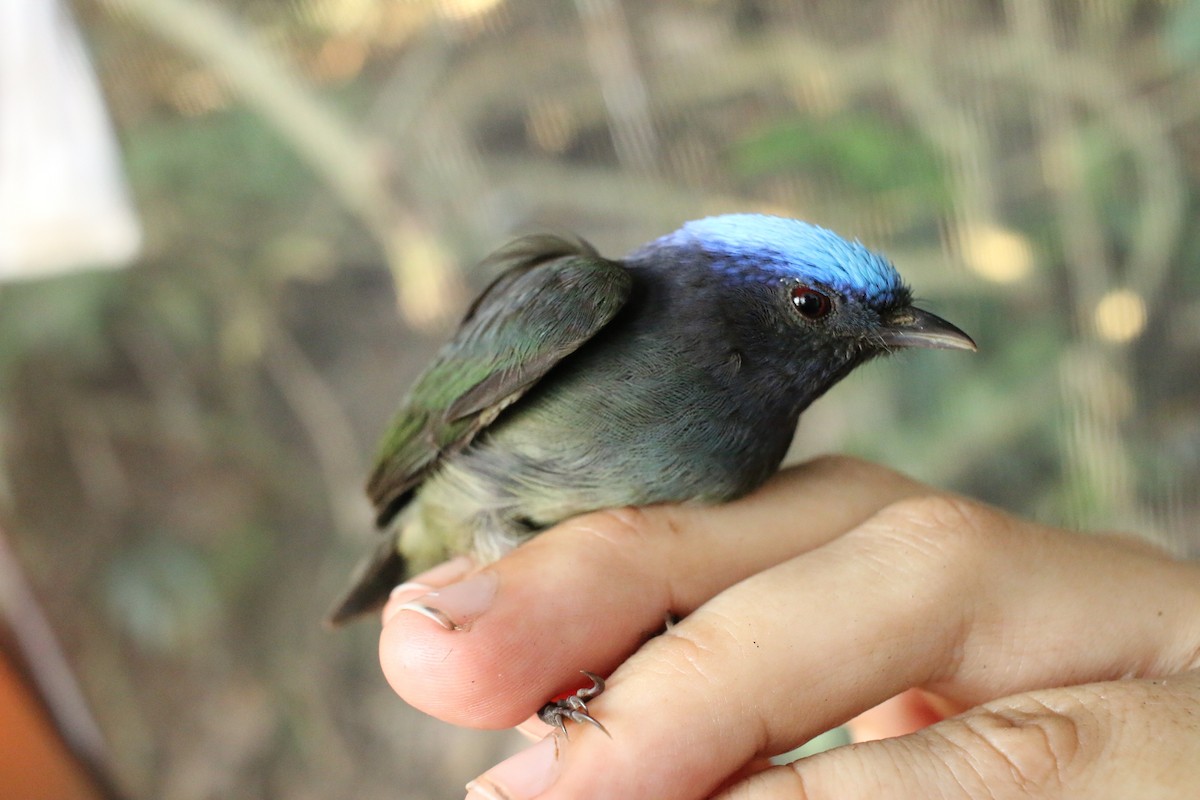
[810, 303]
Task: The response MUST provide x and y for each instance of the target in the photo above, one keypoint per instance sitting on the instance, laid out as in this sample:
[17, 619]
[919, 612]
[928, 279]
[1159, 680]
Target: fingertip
[905, 713]
[427, 655]
[449, 674]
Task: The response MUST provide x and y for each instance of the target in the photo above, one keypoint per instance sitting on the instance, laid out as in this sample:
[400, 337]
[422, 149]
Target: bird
[576, 383]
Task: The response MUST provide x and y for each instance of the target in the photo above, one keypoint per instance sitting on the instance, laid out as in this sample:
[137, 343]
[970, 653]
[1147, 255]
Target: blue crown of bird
[577, 382]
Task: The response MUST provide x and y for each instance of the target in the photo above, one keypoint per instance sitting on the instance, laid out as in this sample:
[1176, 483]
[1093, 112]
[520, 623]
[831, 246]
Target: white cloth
[64, 204]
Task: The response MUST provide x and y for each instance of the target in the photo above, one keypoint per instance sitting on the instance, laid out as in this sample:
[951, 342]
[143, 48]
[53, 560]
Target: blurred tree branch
[355, 169]
[612, 58]
[320, 414]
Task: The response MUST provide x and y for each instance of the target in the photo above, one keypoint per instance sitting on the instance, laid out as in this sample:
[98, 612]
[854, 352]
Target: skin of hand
[1006, 659]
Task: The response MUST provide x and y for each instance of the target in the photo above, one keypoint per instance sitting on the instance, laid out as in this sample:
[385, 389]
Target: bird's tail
[373, 581]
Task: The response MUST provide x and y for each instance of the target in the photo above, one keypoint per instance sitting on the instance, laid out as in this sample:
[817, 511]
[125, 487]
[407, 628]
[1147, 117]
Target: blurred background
[297, 192]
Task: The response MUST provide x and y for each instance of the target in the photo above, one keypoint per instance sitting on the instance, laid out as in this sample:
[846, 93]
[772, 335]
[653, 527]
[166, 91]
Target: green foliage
[1111, 180]
[837, 737]
[206, 177]
[862, 150]
[65, 313]
[1181, 31]
[1000, 394]
[162, 595]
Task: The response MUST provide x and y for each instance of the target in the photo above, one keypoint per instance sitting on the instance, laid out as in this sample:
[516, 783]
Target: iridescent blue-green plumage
[577, 383]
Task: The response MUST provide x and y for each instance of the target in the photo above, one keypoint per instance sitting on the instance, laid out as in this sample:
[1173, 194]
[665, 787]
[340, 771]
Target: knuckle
[944, 511]
[938, 548]
[630, 526]
[613, 539]
[843, 469]
[695, 658]
[686, 662]
[626, 543]
[943, 528]
[838, 463]
[1031, 750]
[839, 467]
[696, 649]
[681, 656]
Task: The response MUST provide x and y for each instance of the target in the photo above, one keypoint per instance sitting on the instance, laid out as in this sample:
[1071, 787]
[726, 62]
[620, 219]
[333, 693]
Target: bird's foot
[574, 707]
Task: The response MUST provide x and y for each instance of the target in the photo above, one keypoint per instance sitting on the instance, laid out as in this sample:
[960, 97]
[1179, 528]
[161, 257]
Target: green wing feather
[553, 296]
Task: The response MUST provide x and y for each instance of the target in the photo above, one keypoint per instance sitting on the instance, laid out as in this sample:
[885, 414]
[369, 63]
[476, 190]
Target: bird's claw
[574, 707]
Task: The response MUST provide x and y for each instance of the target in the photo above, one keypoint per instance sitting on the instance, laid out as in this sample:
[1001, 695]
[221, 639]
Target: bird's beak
[912, 327]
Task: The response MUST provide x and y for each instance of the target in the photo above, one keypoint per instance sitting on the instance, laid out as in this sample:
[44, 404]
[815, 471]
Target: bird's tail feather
[373, 581]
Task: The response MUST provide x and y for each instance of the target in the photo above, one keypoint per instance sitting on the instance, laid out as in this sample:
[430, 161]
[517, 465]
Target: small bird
[577, 383]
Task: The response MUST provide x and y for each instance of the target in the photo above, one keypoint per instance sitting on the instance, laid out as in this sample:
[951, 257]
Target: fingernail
[459, 604]
[420, 585]
[524, 776]
[445, 573]
[409, 590]
[414, 588]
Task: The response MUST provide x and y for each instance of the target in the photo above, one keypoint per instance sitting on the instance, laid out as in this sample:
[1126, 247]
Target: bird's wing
[552, 297]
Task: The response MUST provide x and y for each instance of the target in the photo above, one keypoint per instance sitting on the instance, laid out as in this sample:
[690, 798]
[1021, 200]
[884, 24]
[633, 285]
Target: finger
[931, 592]
[905, 713]
[588, 593]
[1110, 740]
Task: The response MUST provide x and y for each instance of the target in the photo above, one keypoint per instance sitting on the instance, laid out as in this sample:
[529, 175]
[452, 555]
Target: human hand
[835, 587]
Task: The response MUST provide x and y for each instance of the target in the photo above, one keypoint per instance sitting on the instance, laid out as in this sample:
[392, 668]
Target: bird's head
[819, 301]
